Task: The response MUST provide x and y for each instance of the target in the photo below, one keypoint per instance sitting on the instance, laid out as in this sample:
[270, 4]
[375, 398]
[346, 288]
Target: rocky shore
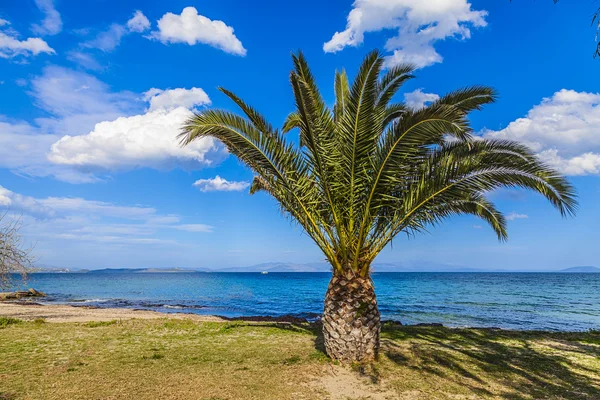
[21, 294]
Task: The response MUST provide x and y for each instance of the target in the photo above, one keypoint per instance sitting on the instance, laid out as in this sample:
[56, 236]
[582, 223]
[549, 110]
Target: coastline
[66, 313]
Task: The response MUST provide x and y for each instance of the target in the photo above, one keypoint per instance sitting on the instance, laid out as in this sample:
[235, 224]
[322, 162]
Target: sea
[523, 301]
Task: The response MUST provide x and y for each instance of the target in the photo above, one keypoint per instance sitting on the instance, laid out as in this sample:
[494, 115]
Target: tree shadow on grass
[526, 364]
[288, 323]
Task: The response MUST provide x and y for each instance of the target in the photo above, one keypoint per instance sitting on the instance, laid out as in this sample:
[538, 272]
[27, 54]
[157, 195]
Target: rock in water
[36, 293]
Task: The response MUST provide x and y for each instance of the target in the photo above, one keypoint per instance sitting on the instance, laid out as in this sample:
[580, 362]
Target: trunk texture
[351, 320]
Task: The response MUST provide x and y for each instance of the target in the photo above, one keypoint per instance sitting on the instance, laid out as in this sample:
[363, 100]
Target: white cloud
[191, 28]
[11, 46]
[148, 140]
[85, 60]
[513, 216]
[194, 228]
[93, 130]
[419, 25]
[138, 23]
[107, 40]
[110, 39]
[218, 184]
[562, 130]
[52, 23]
[418, 99]
[90, 220]
[23, 148]
[23, 204]
[96, 208]
[170, 99]
[77, 101]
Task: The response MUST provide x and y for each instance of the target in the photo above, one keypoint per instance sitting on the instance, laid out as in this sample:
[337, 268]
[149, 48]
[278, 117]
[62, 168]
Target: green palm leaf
[369, 168]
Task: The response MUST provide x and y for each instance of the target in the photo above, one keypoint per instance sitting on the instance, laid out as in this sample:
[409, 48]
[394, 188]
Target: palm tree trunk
[351, 319]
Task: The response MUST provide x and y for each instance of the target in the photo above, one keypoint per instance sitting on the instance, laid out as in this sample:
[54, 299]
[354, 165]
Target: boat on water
[264, 272]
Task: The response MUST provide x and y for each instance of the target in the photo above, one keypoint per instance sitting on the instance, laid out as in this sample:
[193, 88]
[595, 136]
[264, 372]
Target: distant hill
[280, 267]
[587, 270]
[140, 270]
[407, 266]
[378, 267]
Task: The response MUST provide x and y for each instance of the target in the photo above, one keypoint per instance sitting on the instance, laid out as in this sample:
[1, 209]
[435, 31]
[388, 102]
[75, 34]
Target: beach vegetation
[96, 324]
[5, 321]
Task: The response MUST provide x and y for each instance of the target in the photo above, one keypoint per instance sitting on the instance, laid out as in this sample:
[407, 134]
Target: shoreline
[60, 313]
[31, 310]
[67, 313]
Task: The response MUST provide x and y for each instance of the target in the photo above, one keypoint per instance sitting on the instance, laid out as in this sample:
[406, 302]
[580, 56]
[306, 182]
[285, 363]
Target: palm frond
[369, 168]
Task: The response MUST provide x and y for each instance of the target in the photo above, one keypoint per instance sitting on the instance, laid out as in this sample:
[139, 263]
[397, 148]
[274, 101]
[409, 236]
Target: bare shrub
[15, 258]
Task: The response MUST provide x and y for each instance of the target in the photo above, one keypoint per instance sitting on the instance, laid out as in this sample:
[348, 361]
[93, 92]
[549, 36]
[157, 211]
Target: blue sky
[92, 94]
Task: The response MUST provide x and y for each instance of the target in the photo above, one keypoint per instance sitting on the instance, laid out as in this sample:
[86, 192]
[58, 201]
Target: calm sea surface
[505, 300]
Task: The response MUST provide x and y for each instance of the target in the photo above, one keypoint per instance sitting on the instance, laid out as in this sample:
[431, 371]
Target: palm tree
[369, 169]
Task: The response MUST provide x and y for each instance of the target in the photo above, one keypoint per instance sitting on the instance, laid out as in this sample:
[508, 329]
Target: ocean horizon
[507, 300]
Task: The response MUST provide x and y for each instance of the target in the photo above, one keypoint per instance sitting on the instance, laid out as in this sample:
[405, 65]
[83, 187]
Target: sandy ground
[64, 313]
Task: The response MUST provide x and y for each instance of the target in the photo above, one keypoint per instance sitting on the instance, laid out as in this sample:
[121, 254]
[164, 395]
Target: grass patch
[292, 360]
[181, 359]
[155, 356]
[6, 321]
[96, 324]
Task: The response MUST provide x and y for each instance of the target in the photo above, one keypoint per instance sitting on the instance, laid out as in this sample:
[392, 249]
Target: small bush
[5, 321]
[39, 321]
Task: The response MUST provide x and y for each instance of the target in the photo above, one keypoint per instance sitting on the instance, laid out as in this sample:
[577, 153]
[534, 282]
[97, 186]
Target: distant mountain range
[580, 270]
[310, 267]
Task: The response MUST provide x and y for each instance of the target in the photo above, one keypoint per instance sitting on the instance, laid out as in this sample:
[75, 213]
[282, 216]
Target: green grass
[95, 324]
[183, 359]
[6, 321]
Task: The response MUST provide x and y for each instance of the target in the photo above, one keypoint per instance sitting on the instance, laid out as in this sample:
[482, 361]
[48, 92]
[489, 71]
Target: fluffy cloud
[169, 99]
[148, 140]
[138, 23]
[191, 28]
[562, 130]
[513, 216]
[218, 184]
[11, 46]
[419, 25]
[92, 130]
[74, 102]
[418, 99]
[52, 23]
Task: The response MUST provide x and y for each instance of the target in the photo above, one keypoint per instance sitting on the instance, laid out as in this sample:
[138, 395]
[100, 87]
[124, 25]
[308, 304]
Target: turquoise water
[545, 301]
